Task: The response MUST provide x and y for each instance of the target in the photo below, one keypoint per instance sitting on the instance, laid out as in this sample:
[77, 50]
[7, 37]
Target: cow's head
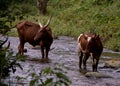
[92, 42]
[43, 31]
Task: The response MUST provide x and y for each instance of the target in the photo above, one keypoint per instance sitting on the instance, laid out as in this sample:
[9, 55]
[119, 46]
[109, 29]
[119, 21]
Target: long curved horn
[48, 21]
[40, 24]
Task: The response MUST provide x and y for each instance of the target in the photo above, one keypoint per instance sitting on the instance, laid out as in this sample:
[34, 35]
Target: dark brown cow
[89, 44]
[35, 34]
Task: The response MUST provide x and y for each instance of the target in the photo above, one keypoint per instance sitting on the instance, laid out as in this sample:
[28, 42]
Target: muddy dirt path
[65, 53]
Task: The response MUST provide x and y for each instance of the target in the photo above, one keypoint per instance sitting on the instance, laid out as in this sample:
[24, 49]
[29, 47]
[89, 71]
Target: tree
[4, 16]
[42, 6]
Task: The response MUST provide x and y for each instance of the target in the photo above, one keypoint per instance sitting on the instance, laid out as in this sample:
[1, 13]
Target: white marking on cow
[79, 44]
[79, 37]
[88, 39]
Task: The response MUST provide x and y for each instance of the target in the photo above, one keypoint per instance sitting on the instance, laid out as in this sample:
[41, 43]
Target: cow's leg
[21, 48]
[42, 51]
[95, 63]
[80, 60]
[47, 51]
[85, 60]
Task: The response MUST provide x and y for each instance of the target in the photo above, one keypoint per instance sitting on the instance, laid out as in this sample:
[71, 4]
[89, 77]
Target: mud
[64, 53]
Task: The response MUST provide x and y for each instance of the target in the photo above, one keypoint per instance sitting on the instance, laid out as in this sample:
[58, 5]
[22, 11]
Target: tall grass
[70, 18]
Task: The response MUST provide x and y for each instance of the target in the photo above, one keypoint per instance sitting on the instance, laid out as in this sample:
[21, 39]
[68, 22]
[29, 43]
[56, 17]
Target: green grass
[70, 18]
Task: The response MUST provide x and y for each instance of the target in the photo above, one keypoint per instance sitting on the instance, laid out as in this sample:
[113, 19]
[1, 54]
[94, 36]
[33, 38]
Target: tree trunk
[42, 6]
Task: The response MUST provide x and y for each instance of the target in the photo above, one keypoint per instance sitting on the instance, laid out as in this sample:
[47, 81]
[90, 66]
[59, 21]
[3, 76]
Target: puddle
[65, 54]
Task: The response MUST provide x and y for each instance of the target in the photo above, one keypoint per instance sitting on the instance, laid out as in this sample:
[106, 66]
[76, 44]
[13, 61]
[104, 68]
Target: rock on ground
[112, 63]
[97, 75]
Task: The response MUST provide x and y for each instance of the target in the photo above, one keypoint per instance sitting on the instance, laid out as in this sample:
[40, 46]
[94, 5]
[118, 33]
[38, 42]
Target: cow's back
[27, 30]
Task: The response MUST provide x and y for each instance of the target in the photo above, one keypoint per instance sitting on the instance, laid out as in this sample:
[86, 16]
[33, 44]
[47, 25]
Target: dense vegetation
[101, 16]
[72, 17]
[10, 13]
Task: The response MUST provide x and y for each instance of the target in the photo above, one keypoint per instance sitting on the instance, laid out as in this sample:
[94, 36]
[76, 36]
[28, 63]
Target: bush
[50, 77]
[8, 61]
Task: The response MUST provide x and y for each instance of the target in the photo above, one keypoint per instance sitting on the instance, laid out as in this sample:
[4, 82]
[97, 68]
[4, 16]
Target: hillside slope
[72, 17]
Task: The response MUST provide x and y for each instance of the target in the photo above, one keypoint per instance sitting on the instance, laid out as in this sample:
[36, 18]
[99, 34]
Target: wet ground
[65, 54]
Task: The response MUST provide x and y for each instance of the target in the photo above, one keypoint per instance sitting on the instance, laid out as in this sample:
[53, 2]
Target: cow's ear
[94, 36]
[48, 28]
[85, 36]
[97, 36]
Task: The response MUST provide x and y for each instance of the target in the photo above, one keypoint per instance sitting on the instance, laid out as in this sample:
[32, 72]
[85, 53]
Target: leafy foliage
[8, 61]
[50, 77]
[70, 17]
[5, 16]
[10, 10]
[100, 16]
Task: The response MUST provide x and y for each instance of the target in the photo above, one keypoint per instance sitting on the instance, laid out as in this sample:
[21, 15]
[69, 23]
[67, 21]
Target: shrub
[8, 61]
[50, 77]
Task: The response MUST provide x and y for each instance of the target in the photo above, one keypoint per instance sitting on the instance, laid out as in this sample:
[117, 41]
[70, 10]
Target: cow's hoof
[42, 60]
[83, 71]
[47, 60]
[25, 50]
[80, 70]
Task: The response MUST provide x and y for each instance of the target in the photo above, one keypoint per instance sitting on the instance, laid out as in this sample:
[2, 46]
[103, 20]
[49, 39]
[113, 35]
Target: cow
[89, 45]
[35, 34]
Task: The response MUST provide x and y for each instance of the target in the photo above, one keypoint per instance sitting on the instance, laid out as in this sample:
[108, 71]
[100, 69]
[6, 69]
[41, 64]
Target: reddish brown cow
[35, 34]
[89, 44]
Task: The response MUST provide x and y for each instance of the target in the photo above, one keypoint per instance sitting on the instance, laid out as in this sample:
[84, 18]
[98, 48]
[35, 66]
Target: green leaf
[62, 76]
[56, 68]
[32, 82]
[47, 70]
[48, 81]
